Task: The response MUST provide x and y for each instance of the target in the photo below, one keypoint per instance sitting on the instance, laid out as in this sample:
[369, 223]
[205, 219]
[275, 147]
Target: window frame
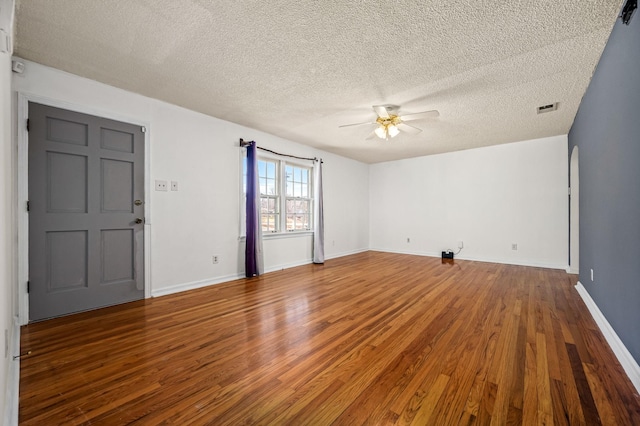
[281, 182]
[277, 197]
[286, 197]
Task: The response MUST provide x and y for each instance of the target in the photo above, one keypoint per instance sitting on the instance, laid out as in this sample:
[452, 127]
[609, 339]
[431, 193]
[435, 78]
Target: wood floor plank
[586, 398]
[372, 338]
[485, 353]
[545, 404]
[430, 401]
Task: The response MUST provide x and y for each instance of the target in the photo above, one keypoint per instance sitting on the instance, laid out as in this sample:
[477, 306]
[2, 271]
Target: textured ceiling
[300, 69]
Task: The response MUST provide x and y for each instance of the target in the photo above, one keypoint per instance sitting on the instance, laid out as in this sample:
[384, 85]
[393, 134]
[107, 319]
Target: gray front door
[86, 188]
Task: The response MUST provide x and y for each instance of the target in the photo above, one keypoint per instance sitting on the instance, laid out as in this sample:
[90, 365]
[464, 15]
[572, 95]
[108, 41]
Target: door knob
[139, 220]
[138, 202]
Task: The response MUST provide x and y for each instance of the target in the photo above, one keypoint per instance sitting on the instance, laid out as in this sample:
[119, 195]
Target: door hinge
[143, 129]
[28, 286]
[27, 124]
[569, 191]
[28, 206]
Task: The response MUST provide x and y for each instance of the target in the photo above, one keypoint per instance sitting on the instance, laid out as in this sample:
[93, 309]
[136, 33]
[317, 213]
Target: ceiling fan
[390, 123]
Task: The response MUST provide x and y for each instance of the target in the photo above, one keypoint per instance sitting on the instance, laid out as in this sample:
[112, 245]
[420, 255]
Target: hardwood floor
[373, 338]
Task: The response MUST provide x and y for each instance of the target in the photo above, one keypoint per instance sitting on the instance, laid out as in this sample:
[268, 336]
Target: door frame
[574, 211]
[23, 190]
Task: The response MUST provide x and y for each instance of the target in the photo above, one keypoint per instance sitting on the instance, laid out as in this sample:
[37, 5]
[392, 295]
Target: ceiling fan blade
[419, 115]
[370, 136]
[358, 124]
[404, 127]
[381, 110]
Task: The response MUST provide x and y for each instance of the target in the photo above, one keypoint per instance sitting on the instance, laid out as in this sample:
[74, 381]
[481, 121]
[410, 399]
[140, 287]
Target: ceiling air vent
[548, 108]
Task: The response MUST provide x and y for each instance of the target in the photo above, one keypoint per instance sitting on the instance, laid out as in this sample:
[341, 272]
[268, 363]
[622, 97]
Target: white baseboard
[12, 390]
[219, 280]
[194, 284]
[413, 253]
[461, 256]
[625, 358]
[533, 264]
[287, 265]
[573, 271]
[308, 261]
[344, 253]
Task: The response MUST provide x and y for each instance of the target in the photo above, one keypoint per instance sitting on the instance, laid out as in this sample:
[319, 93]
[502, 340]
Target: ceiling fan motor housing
[392, 119]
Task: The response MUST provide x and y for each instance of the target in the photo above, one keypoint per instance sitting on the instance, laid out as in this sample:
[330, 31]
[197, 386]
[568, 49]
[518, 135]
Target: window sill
[280, 235]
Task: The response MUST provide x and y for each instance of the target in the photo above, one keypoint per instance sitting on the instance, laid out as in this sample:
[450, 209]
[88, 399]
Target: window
[298, 199]
[286, 200]
[269, 195]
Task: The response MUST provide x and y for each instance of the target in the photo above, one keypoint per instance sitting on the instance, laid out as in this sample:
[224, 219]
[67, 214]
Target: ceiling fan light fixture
[390, 124]
[381, 132]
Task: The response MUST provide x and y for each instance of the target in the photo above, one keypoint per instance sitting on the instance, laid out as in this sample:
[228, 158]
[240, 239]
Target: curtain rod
[244, 143]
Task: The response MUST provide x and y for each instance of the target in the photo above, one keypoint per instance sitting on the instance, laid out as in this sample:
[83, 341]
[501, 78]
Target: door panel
[117, 256]
[85, 247]
[66, 183]
[116, 140]
[117, 186]
[65, 131]
[66, 259]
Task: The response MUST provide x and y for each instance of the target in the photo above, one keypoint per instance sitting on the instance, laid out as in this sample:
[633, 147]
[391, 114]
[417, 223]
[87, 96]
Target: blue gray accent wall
[607, 131]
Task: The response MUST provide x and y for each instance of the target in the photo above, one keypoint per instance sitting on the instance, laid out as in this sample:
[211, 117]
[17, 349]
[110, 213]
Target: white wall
[201, 153]
[489, 198]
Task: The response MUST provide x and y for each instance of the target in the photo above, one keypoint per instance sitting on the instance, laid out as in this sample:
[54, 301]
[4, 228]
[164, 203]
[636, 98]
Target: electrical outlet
[174, 185]
[460, 244]
[161, 185]
[514, 246]
[215, 258]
